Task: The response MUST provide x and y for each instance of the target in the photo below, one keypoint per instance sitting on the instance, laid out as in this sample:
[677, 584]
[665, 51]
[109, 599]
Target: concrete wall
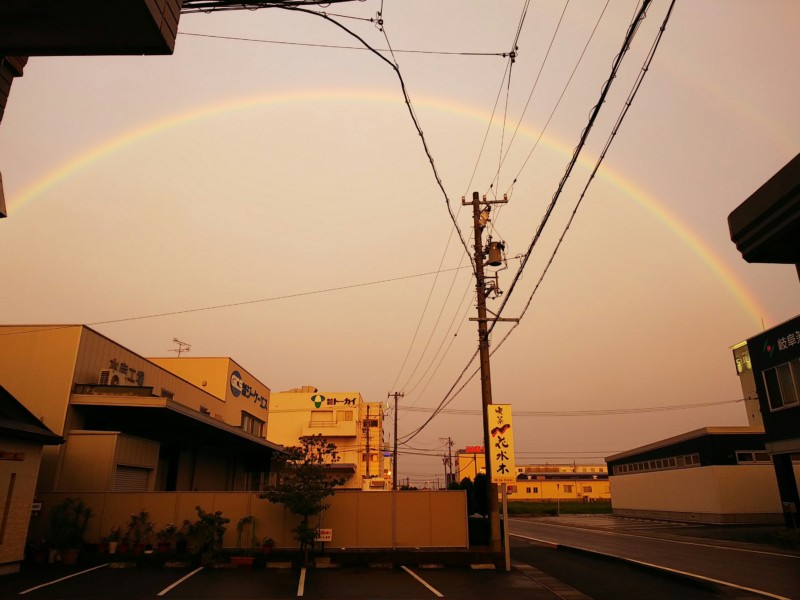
[17, 486]
[715, 494]
[359, 519]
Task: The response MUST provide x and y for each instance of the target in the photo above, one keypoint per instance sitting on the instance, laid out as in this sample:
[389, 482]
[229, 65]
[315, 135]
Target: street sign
[501, 439]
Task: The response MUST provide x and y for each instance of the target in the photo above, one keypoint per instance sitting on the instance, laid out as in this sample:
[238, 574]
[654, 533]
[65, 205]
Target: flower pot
[267, 548]
[245, 562]
[112, 547]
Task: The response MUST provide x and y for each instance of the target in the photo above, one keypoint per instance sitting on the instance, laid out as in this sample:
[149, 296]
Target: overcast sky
[235, 171]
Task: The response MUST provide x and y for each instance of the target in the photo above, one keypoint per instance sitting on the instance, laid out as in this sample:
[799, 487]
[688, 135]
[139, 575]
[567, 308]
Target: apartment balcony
[329, 429]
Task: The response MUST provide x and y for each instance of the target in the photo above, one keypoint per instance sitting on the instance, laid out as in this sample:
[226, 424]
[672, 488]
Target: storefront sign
[473, 450]
[319, 400]
[324, 535]
[240, 388]
[501, 439]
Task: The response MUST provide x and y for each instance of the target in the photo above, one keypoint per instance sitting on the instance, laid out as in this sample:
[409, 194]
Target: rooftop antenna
[182, 347]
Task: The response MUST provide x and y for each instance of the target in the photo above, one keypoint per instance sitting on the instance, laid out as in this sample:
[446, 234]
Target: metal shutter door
[130, 479]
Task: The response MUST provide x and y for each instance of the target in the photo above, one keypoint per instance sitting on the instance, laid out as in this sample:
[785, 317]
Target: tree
[480, 495]
[304, 483]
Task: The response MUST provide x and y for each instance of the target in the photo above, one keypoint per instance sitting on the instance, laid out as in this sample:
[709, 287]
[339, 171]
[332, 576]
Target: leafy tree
[466, 484]
[304, 484]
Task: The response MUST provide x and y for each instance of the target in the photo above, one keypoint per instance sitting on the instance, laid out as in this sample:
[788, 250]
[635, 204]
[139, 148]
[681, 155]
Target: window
[527, 490]
[535, 490]
[322, 417]
[587, 489]
[567, 489]
[783, 384]
[344, 415]
[752, 457]
[252, 425]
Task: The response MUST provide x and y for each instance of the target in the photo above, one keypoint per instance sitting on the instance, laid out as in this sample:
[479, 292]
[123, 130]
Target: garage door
[131, 479]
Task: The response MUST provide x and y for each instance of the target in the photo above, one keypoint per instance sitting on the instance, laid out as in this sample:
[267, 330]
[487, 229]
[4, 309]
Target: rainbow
[160, 126]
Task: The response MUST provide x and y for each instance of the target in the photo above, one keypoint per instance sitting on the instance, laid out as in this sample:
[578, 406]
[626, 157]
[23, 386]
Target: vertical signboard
[501, 439]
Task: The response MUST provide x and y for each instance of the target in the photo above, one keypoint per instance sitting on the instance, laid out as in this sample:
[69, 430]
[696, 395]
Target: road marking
[62, 579]
[180, 581]
[660, 567]
[301, 586]
[423, 582]
[704, 578]
[533, 539]
[612, 533]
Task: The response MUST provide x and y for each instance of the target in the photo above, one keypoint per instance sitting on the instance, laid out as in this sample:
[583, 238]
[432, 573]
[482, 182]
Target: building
[766, 229]
[709, 475]
[775, 357]
[343, 418]
[228, 381]
[712, 474]
[544, 483]
[22, 437]
[129, 424]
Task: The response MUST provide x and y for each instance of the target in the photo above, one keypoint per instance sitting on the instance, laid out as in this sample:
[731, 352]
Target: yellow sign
[501, 444]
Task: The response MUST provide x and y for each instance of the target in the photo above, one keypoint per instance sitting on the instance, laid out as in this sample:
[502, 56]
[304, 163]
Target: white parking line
[62, 579]
[423, 582]
[180, 581]
[301, 587]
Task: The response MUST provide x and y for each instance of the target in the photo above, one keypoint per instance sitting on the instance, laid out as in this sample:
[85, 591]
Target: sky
[285, 184]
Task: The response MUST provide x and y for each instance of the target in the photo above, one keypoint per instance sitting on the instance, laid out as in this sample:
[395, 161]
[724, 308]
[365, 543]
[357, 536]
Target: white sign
[501, 444]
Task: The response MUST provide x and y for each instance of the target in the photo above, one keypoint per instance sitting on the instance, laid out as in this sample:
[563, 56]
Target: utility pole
[366, 433]
[396, 395]
[480, 216]
[448, 460]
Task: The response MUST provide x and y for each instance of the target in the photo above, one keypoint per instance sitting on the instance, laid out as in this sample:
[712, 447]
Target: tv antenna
[182, 347]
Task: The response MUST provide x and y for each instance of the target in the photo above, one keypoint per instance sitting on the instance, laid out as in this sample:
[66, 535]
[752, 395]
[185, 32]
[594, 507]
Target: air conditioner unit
[109, 377]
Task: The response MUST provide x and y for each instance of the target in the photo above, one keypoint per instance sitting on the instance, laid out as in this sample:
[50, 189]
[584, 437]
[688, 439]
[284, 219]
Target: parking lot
[105, 581]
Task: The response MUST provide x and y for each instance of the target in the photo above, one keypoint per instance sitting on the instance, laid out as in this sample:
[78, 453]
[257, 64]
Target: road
[755, 570]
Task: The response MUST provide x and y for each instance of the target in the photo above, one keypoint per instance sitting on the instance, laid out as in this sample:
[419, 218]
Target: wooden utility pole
[480, 216]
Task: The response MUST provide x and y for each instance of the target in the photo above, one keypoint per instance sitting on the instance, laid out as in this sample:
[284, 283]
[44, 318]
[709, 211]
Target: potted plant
[68, 522]
[140, 531]
[245, 539]
[181, 541]
[113, 540]
[267, 544]
[207, 532]
[164, 537]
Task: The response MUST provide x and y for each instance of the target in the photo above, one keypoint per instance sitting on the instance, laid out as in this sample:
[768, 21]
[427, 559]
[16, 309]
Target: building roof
[17, 422]
[155, 416]
[766, 226]
[684, 437]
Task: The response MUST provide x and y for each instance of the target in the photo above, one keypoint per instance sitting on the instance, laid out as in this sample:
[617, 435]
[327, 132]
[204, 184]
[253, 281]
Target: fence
[403, 519]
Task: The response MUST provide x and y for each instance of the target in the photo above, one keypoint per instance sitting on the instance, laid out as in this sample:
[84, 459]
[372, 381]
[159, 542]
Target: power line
[411, 112]
[339, 47]
[558, 102]
[246, 302]
[580, 413]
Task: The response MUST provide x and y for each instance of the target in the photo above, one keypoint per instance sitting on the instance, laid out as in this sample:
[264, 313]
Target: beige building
[343, 418]
[22, 437]
[130, 424]
[577, 483]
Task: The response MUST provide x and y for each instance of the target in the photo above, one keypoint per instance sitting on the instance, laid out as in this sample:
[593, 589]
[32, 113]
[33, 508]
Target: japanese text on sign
[501, 441]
